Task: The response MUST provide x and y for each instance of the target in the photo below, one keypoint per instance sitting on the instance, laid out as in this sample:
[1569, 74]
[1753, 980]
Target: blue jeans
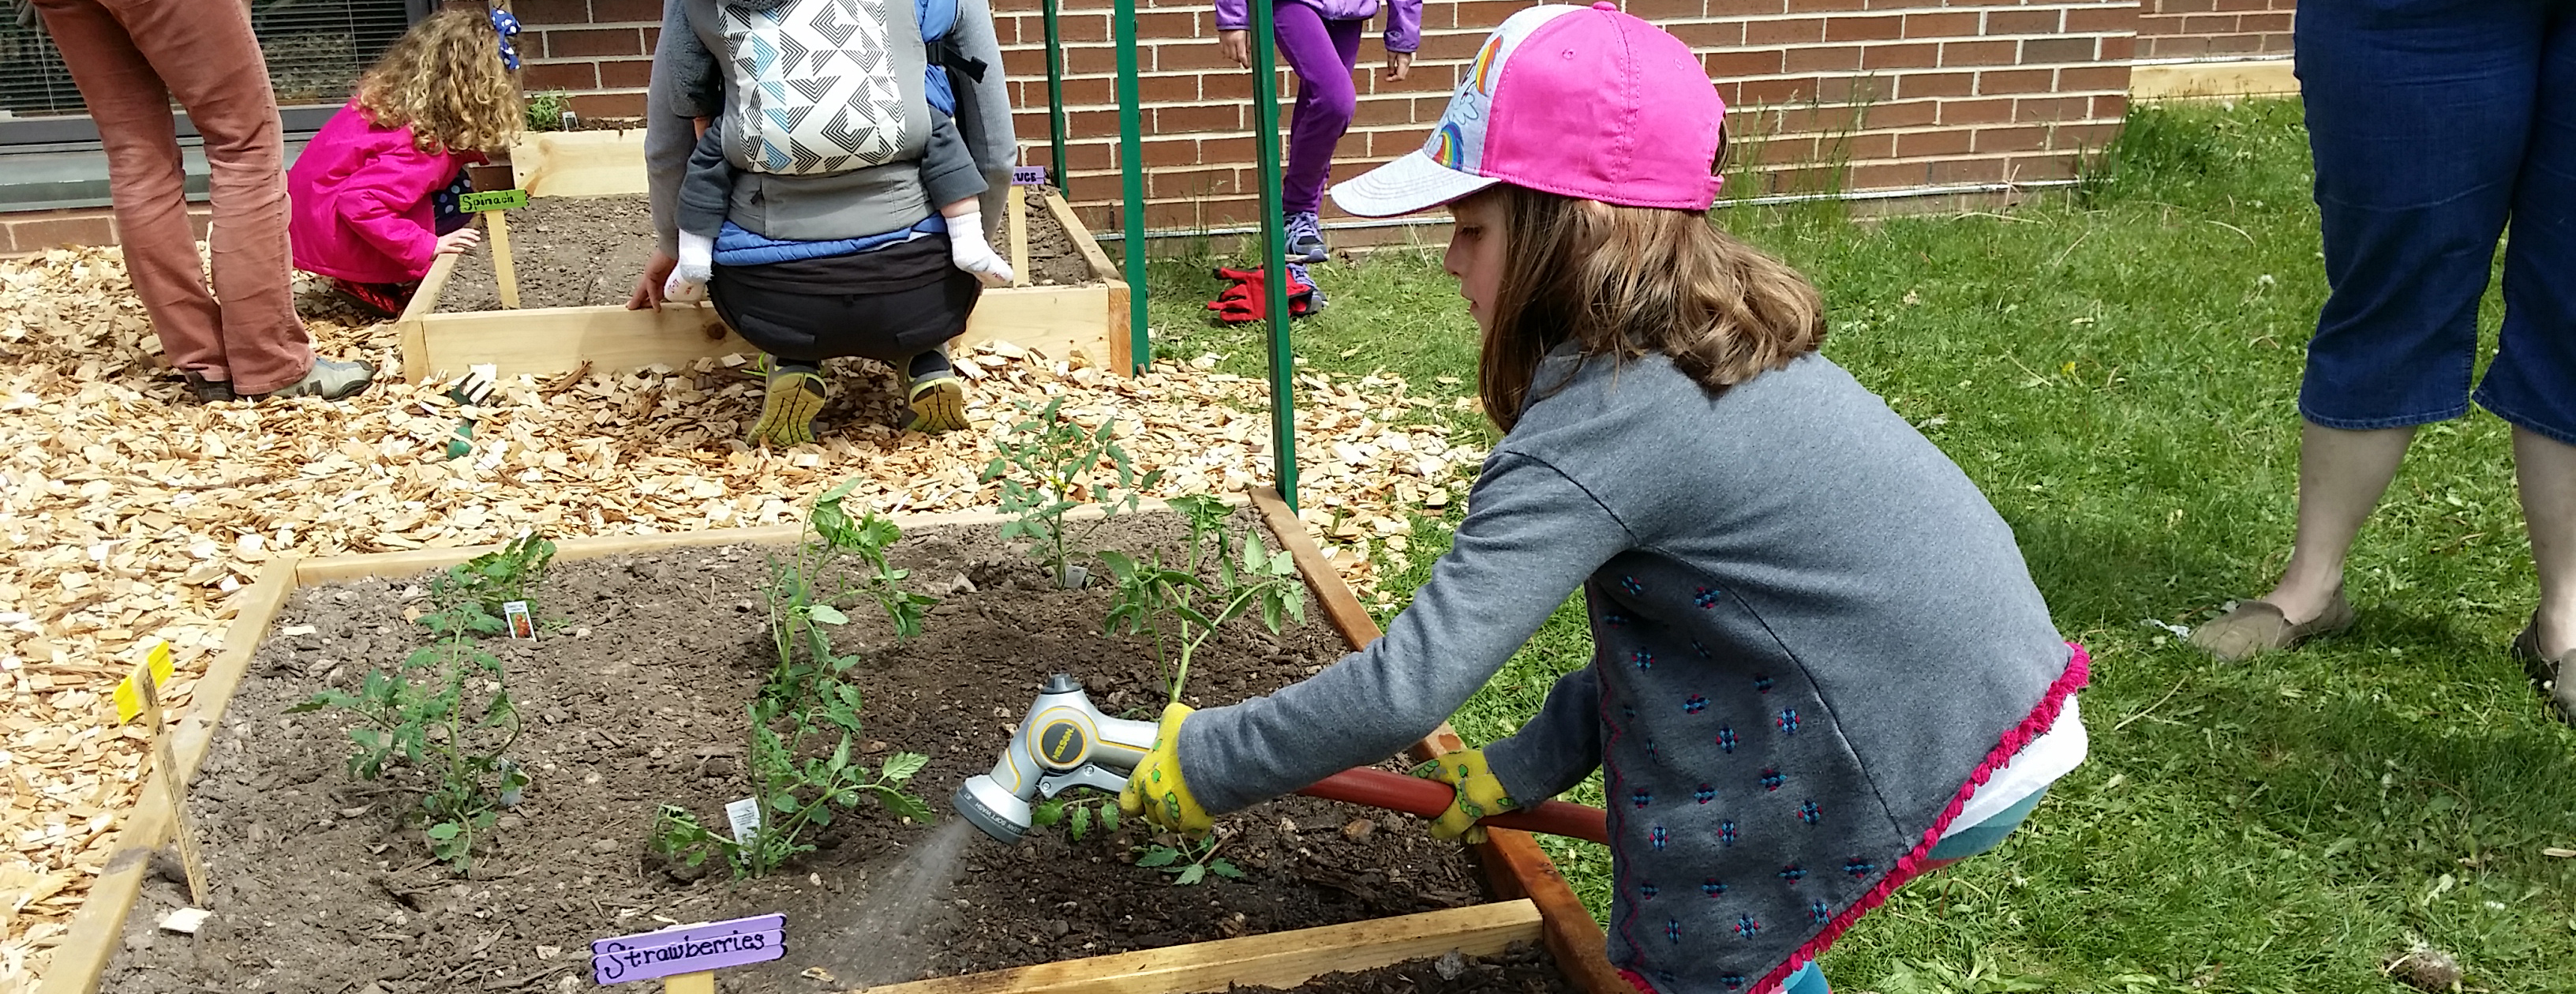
[2434, 123]
[1975, 840]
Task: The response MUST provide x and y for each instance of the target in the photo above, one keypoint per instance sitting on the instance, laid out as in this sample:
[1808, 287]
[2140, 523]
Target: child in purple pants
[1321, 41]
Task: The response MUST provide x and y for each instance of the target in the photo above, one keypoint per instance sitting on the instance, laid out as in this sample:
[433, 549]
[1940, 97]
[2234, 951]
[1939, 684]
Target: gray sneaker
[331, 379]
[1306, 238]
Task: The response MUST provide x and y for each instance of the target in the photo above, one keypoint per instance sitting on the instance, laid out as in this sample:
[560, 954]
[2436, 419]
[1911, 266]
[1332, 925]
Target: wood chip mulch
[132, 517]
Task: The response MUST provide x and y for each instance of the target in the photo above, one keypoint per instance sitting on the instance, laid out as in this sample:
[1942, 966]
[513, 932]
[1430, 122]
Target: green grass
[2118, 368]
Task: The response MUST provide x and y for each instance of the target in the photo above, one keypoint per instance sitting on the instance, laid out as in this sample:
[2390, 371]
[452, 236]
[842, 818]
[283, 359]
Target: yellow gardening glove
[1155, 789]
[1479, 794]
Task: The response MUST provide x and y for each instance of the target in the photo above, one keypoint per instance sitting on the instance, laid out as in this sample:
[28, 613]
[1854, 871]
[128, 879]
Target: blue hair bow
[506, 26]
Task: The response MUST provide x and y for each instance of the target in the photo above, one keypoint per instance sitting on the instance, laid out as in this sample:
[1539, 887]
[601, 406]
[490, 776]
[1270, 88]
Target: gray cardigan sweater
[687, 84]
[1812, 634]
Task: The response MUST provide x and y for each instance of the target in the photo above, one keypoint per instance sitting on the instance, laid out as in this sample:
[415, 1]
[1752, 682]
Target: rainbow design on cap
[1448, 146]
[1481, 74]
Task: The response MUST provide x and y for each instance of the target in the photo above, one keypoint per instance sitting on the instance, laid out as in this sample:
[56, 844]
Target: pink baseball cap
[1580, 101]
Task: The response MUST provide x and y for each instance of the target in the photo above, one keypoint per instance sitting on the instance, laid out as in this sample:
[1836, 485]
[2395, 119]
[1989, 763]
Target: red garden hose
[1428, 798]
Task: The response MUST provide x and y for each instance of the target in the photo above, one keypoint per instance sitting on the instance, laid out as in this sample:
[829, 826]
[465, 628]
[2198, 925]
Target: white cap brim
[1409, 184]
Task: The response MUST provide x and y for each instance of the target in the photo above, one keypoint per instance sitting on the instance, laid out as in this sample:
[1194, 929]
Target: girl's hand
[1398, 65]
[1237, 46]
[648, 285]
[458, 241]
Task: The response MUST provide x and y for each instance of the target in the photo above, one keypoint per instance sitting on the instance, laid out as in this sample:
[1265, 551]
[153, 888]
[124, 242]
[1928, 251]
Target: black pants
[809, 326]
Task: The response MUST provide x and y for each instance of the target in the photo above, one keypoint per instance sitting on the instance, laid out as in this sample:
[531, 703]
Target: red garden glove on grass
[1248, 299]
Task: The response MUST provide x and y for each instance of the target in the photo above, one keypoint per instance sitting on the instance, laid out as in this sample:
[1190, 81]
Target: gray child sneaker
[1306, 238]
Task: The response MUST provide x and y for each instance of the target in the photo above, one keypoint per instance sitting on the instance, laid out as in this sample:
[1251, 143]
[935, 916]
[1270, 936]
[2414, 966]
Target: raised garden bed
[633, 701]
[586, 233]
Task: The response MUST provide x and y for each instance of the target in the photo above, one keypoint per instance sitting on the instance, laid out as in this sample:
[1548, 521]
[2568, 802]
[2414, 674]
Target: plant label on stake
[1018, 215]
[142, 689]
[745, 818]
[521, 626]
[687, 956]
[493, 204]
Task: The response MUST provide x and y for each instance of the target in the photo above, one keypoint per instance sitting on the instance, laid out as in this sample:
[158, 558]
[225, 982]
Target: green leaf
[1190, 874]
[1158, 856]
[827, 614]
[783, 802]
[1046, 813]
[444, 830]
[904, 805]
[1108, 817]
[1225, 869]
[902, 765]
[840, 756]
[1081, 824]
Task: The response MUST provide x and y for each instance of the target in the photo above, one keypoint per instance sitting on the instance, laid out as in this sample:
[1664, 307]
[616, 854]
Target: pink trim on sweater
[2079, 670]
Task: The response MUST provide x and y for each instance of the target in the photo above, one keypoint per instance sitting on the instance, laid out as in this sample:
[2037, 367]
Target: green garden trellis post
[1055, 102]
[1131, 168]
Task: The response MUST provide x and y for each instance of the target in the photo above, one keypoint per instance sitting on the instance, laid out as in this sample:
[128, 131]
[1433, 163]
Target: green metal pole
[1055, 102]
[1131, 167]
[1274, 246]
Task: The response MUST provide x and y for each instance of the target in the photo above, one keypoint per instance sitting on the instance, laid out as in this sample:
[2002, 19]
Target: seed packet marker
[1019, 214]
[492, 205]
[140, 695]
[686, 957]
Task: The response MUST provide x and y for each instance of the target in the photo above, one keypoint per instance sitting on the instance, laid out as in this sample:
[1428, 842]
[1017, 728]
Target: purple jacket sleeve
[1234, 15]
[1403, 25]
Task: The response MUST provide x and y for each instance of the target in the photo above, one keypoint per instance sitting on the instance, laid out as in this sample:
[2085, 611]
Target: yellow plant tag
[129, 698]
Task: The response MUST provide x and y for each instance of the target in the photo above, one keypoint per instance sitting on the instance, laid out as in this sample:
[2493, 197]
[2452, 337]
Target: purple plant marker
[688, 949]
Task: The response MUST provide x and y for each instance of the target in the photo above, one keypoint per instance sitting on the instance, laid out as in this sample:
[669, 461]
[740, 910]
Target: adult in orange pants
[131, 58]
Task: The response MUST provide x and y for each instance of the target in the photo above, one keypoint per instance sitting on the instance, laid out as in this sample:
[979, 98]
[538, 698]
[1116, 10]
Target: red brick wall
[599, 50]
[2192, 29]
[1902, 93]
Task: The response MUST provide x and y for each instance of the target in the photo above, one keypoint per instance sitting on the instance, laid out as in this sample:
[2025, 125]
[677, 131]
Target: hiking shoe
[938, 404]
[2258, 627]
[209, 391]
[2549, 675]
[1306, 238]
[330, 379]
[793, 398]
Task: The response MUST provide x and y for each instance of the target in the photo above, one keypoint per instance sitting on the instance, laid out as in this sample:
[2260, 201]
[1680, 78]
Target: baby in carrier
[794, 118]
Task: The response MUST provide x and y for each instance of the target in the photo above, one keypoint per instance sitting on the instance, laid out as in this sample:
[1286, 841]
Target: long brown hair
[444, 80]
[1625, 281]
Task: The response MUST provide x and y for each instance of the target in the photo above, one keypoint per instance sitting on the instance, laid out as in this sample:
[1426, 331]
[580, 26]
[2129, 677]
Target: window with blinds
[315, 51]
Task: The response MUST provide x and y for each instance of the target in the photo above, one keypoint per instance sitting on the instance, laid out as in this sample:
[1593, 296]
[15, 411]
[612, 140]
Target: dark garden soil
[1523, 968]
[634, 696]
[587, 251]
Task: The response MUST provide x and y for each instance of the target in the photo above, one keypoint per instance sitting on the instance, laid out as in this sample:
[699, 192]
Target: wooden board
[99, 927]
[1278, 959]
[1513, 862]
[2212, 80]
[579, 163]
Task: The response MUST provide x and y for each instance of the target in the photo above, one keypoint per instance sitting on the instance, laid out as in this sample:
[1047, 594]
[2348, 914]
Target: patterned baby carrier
[815, 85]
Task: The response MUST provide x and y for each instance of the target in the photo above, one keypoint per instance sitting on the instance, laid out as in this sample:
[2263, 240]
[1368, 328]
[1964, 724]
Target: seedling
[1189, 863]
[446, 710]
[1050, 465]
[1077, 816]
[1177, 604]
[806, 693]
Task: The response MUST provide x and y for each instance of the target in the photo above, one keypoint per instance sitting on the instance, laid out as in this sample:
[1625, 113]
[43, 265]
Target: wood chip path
[130, 517]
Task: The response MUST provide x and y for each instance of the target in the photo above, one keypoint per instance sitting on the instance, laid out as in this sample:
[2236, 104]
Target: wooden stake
[501, 265]
[690, 983]
[172, 781]
[1019, 225]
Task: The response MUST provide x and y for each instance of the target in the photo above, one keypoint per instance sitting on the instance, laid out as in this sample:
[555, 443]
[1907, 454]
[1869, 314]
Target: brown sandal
[2545, 673]
[2257, 627]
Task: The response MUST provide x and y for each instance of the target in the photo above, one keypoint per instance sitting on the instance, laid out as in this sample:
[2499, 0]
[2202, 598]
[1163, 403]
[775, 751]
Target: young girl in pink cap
[1820, 666]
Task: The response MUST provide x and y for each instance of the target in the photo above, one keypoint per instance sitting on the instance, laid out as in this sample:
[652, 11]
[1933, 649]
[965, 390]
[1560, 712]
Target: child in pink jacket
[375, 191]
[1320, 39]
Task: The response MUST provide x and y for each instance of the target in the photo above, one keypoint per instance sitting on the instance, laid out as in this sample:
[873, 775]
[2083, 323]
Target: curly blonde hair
[444, 79]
